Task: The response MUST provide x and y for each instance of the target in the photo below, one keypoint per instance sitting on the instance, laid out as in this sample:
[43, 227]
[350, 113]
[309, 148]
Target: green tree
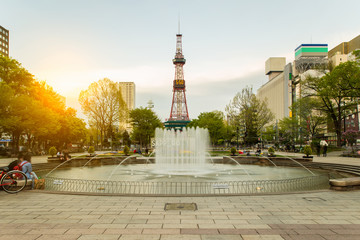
[102, 102]
[7, 96]
[30, 111]
[126, 138]
[356, 53]
[72, 129]
[15, 76]
[17, 81]
[214, 122]
[250, 114]
[38, 122]
[312, 122]
[337, 92]
[269, 134]
[144, 122]
[306, 122]
[288, 130]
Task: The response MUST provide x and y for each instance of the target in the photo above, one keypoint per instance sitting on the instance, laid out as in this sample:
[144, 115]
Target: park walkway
[312, 216]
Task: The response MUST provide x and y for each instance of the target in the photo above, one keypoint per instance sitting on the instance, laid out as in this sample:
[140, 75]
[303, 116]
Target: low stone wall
[345, 184]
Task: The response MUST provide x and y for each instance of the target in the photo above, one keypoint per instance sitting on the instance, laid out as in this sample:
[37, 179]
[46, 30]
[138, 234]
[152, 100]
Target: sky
[72, 43]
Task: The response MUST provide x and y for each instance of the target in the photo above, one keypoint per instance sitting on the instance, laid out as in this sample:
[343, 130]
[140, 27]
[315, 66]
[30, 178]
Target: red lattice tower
[179, 110]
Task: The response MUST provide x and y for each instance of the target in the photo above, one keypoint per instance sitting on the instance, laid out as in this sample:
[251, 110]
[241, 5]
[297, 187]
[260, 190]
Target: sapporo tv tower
[179, 115]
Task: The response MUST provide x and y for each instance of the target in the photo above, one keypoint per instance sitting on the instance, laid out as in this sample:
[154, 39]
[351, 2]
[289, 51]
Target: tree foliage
[31, 112]
[102, 102]
[305, 123]
[250, 114]
[356, 53]
[214, 122]
[144, 122]
[288, 130]
[126, 138]
[336, 92]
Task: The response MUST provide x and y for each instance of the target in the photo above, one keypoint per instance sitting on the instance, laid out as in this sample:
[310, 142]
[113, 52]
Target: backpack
[20, 165]
[19, 168]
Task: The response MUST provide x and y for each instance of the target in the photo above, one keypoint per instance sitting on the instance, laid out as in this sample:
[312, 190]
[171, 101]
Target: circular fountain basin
[213, 179]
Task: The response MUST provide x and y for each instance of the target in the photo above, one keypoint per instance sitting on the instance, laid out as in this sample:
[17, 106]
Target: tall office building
[277, 91]
[343, 52]
[283, 87]
[4, 41]
[345, 47]
[128, 94]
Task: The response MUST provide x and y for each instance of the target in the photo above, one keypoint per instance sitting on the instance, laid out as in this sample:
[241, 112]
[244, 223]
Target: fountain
[182, 168]
[181, 152]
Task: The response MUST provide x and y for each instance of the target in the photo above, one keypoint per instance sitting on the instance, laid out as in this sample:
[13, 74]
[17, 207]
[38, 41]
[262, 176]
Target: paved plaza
[311, 216]
[330, 215]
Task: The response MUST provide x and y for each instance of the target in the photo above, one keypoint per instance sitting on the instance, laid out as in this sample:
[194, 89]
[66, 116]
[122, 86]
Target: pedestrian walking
[324, 146]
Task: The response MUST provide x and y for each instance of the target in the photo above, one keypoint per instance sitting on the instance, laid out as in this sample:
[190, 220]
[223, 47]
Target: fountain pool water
[181, 167]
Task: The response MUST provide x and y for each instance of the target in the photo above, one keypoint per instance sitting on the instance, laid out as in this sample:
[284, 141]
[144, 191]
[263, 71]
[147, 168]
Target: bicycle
[12, 181]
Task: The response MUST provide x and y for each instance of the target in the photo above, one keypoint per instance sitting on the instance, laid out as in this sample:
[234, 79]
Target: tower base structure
[176, 124]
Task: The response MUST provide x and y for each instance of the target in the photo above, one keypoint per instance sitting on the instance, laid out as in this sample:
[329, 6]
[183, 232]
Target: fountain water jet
[181, 152]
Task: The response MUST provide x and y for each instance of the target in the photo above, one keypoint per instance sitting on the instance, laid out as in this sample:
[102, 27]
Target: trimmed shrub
[91, 149]
[52, 151]
[233, 151]
[126, 150]
[307, 150]
[271, 151]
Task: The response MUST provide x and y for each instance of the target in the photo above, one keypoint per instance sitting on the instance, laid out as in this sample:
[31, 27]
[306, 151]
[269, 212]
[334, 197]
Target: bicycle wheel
[13, 181]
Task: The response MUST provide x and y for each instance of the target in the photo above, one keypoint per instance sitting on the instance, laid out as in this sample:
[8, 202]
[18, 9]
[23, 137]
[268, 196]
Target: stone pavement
[332, 157]
[326, 215]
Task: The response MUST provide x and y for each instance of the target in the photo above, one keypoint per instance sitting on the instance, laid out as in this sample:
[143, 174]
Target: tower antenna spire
[179, 23]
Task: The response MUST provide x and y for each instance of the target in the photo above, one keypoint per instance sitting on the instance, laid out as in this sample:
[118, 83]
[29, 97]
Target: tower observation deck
[179, 115]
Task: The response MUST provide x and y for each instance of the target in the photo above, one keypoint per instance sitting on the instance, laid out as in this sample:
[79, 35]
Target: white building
[277, 91]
